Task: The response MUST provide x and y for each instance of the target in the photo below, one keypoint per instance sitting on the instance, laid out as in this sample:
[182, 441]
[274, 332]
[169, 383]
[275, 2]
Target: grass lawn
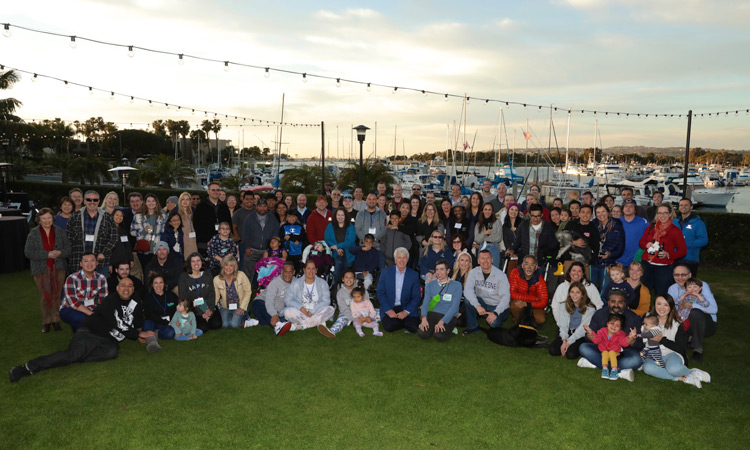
[250, 389]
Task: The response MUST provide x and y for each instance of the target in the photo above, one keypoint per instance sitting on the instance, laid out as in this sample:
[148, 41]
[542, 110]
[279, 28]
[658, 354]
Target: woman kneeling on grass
[673, 347]
[572, 316]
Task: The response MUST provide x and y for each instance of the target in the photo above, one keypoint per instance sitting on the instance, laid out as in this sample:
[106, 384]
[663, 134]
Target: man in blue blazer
[399, 295]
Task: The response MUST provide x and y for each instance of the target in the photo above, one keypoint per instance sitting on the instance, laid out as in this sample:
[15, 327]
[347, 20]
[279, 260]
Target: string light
[181, 60]
[67, 85]
[446, 97]
[132, 99]
[226, 66]
[304, 78]
[338, 82]
[267, 74]
[131, 53]
[394, 90]
[112, 95]
[73, 43]
[34, 78]
[91, 90]
[6, 29]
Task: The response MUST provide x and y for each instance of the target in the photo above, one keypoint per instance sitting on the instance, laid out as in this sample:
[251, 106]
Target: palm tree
[373, 172]
[91, 168]
[302, 179]
[167, 170]
[183, 129]
[216, 127]
[171, 126]
[8, 105]
[197, 138]
[207, 127]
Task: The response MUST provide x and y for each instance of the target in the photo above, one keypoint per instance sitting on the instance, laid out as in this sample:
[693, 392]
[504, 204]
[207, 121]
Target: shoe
[281, 328]
[56, 326]
[697, 357]
[627, 374]
[250, 323]
[702, 375]
[296, 327]
[152, 345]
[361, 334]
[45, 328]
[18, 372]
[692, 379]
[377, 333]
[614, 374]
[605, 373]
[585, 364]
[325, 331]
[469, 331]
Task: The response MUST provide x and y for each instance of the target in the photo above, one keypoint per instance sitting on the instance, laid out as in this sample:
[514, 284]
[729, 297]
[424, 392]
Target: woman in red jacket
[663, 244]
[527, 286]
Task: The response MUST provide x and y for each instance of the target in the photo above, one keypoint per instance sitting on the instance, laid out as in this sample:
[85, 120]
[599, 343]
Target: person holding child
[159, 307]
[366, 259]
[616, 280]
[641, 303]
[275, 250]
[307, 301]
[701, 321]
[340, 237]
[295, 238]
[196, 285]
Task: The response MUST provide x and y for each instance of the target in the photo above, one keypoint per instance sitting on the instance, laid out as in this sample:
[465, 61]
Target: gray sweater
[494, 290]
[191, 288]
[36, 254]
[273, 296]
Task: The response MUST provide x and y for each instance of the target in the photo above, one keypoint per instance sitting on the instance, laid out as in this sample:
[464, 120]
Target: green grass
[249, 389]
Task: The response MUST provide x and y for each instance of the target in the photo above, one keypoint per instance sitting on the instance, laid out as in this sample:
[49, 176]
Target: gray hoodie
[494, 291]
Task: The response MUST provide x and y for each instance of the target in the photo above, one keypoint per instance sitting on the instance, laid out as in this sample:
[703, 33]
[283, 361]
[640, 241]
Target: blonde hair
[229, 259]
[457, 270]
[435, 219]
[669, 207]
[430, 243]
[185, 214]
[117, 197]
[617, 266]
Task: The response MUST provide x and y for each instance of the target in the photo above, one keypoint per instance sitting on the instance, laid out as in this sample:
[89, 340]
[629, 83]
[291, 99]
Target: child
[610, 340]
[295, 239]
[652, 348]
[564, 219]
[693, 288]
[173, 235]
[617, 281]
[322, 260]
[275, 250]
[184, 322]
[221, 246]
[363, 313]
[366, 259]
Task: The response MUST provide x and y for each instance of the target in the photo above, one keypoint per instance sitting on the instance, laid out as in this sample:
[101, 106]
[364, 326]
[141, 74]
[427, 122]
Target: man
[586, 238]
[397, 199]
[498, 202]
[634, 227]
[122, 271]
[171, 205]
[398, 294]
[702, 318]
[442, 298]
[318, 220]
[536, 237]
[487, 293]
[533, 199]
[627, 193]
[268, 306]
[371, 221]
[417, 190]
[430, 198]
[381, 188]
[195, 200]
[119, 316]
[257, 230]
[348, 203]
[573, 196]
[507, 200]
[307, 301]
[587, 198]
[359, 202]
[238, 220]
[630, 357]
[76, 195]
[694, 231]
[455, 197]
[92, 231]
[208, 215]
[302, 209]
[487, 196]
[165, 263]
[83, 292]
[271, 202]
[527, 286]
[574, 207]
[335, 199]
[657, 198]
[135, 200]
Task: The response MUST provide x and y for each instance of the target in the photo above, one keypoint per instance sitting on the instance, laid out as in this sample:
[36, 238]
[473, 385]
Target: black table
[5, 211]
[13, 232]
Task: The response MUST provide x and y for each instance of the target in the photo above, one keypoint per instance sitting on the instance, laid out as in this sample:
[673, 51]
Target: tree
[373, 172]
[8, 106]
[183, 129]
[167, 170]
[91, 168]
[302, 179]
[197, 138]
[160, 128]
[234, 182]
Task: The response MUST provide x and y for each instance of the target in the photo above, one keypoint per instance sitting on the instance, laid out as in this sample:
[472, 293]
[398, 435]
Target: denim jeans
[472, 321]
[164, 332]
[599, 276]
[629, 358]
[339, 265]
[229, 319]
[258, 307]
[673, 370]
[73, 317]
[185, 337]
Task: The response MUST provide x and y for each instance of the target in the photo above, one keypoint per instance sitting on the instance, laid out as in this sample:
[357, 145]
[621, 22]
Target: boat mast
[567, 145]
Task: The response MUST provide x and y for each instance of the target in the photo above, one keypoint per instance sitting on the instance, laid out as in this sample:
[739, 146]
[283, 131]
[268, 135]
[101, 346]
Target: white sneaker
[702, 375]
[250, 323]
[281, 328]
[627, 374]
[692, 379]
[296, 327]
[584, 363]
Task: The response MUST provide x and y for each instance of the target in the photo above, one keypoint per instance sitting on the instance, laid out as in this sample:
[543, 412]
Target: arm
[429, 292]
[329, 237]
[469, 294]
[173, 324]
[272, 291]
[380, 227]
[292, 296]
[244, 290]
[192, 322]
[218, 289]
[644, 301]
[681, 248]
[708, 303]
[700, 233]
[504, 293]
[412, 304]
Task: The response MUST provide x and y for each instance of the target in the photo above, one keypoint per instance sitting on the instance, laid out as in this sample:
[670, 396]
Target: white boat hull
[708, 197]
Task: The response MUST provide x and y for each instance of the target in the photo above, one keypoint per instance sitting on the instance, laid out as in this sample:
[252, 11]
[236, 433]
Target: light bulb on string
[468, 99]
[6, 29]
[91, 90]
[486, 101]
[33, 78]
[67, 85]
[150, 103]
[524, 106]
[180, 60]
[193, 112]
[424, 93]
[267, 73]
[304, 77]
[132, 99]
[111, 95]
[73, 43]
[369, 87]
[395, 88]
[338, 82]
[167, 105]
[131, 53]
[446, 97]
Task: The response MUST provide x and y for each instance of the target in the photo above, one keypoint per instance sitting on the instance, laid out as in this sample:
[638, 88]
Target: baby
[692, 295]
[363, 313]
[183, 322]
[652, 348]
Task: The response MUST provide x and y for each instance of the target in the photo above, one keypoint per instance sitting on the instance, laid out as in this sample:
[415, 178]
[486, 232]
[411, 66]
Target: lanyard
[197, 285]
[309, 293]
[163, 307]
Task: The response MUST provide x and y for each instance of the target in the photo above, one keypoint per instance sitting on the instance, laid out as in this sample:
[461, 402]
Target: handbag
[143, 245]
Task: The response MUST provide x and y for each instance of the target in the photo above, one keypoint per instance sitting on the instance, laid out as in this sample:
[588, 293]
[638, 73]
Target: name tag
[88, 302]
[165, 318]
[457, 226]
[123, 239]
[232, 306]
[132, 305]
[89, 238]
[191, 235]
[447, 297]
[198, 301]
[372, 230]
[216, 227]
[348, 301]
[689, 227]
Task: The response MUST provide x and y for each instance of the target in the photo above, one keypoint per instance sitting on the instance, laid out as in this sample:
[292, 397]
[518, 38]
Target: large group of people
[145, 272]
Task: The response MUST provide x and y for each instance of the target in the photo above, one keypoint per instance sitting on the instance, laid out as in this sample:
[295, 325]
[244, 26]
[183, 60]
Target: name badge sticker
[89, 238]
[372, 230]
[198, 301]
[191, 235]
[447, 297]
[232, 306]
[123, 239]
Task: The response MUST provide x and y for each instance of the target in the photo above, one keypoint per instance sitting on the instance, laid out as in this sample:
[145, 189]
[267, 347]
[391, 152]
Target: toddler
[363, 313]
[610, 340]
[692, 295]
[221, 246]
[295, 239]
[184, 322]
[652, 348]
[322, 260]
[275, 250]
[617, 281]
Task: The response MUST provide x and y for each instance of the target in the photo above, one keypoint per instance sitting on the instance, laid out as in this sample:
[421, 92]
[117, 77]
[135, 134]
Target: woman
[289, 202]
[611, 245]
[488, 232]
[279, 194]
[47, 249]
[340, 235]
[185, 209]
[382, 202]
[159, 306]
[465, 202]
[446, 211]
[434, 252]
[232, 291]
[576, 273]
[616, 211]
[428, 222]
[460, 225]
[554, 216]
[65, 211]
[464, 263]
[111, 202]
[123, 251]
[196, 285]
[663, 243]
[608, 200]
[642, 296]
[232, 204]
[148, 225]
[572, 317]
[510, 232]
[416, 207]
[475, 207]
[281, 211]
[174, 236]
[673, 344]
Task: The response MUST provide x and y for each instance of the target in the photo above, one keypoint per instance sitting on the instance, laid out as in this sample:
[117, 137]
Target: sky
[637, 56]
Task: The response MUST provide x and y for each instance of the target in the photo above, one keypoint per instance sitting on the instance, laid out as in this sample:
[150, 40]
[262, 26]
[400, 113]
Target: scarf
[49, 279]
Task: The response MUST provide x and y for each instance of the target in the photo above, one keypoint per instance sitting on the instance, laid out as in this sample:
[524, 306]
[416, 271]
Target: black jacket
[546, 247]
[206, 217]
[116, 318]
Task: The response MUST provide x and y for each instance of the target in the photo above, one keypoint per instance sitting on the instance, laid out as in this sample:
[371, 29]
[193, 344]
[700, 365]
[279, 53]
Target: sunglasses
[92, 200]
[437, 237]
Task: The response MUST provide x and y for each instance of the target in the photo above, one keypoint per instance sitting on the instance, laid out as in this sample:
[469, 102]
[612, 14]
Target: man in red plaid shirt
[83, 292]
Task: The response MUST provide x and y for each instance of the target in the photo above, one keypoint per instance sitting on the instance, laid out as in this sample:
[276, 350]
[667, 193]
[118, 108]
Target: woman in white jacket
[576, 272]
[307, 301]
[572, 316]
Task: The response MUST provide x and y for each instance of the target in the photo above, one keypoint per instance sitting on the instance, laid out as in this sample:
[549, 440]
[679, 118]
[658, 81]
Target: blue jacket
[449, 302]
[427, 262]
[365, 260]
[168, 236]
[410, 295]
[614, 242]
[696, 236]
[349, 240]
[633, 232]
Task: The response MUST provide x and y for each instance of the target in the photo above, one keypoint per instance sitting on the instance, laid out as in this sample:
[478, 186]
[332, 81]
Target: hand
[368, 320]
[663, 255]
[491, 317]
[333, 247]
[475, 245]
[402, 315]
[606, 255]
[239, 312]
[564, 347]
[218, 258]
[631, 336]
[518, 303]
[100, 257]
[440, 327]
[687, 305]
[248, 252]
[178, 335]
[274, 320]
[286, 238]
[481, 311]
[340, 252]
[365, 273]
[360, 319]
[658, 337]
[488, 232]
[192, 336]
[579, 243]
[391, 313]
[510, 253]
[424, 325]
[589, 333]
[305, 312]
[132, 263]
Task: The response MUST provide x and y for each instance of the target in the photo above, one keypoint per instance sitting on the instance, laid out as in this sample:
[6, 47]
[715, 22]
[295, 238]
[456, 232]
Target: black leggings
[572, 353]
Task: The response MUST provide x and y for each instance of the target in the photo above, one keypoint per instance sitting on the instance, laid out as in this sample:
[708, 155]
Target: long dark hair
[335, 222]
[484, 223]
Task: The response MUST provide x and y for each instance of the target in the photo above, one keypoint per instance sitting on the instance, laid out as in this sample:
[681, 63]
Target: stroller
[267, 269]
[323, 260]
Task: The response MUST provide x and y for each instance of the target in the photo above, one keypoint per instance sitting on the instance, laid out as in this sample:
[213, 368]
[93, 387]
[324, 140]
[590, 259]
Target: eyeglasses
[92, 200]
[437, 237]
[535, 216]
[416, 189]
[335, 194]
[214, 190]
[681, 274]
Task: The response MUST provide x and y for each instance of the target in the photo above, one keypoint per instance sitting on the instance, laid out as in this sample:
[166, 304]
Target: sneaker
[281, 328]
[361, 334]
[702, 375]
[250, 323]
[296, 327]
[469, 331]
[627, 374]
[18, 372]
[152, 345]
[692, 379]
[614, 374]
[697, 357]
[323, 329]
[377, 333]
[585, 364]
[605, 373]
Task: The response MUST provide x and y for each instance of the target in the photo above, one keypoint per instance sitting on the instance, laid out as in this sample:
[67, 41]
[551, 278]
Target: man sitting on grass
[442, 297]
[487, 293]
[83, 292]
[268, 306]
[398, 294]
[119, 316]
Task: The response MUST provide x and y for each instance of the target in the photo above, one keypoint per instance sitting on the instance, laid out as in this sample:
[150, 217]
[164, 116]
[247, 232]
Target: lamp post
[124, 171]
[361, 130]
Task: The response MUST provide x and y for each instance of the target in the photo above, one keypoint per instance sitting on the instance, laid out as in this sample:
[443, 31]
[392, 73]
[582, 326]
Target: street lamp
[124, 171]
[361, 130]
